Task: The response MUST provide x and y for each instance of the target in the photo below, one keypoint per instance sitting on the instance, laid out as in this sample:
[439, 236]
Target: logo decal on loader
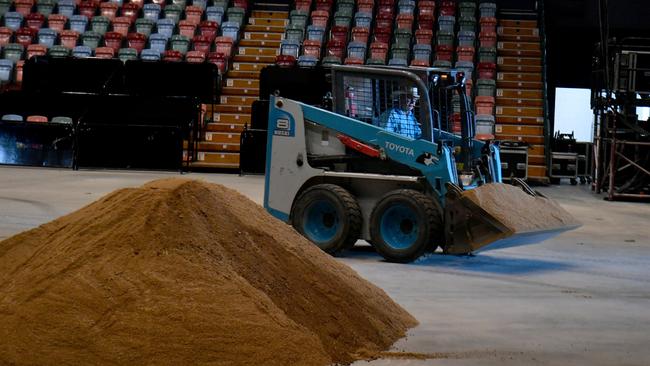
[283, 127]
[399, 148]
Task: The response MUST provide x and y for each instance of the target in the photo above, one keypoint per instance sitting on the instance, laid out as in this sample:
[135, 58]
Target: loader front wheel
[403, 225]
[329, 216]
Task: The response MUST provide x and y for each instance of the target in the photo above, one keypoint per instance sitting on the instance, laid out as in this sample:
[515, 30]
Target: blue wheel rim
[399, 227]
[321, 221]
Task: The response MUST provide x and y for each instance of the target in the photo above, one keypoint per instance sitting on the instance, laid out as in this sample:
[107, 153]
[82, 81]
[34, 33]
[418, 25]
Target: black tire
[403, 225]
[573, 181]
[329, 216]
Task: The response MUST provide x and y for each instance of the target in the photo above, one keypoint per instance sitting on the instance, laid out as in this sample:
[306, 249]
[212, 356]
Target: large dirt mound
[518, 210]
[183, 272]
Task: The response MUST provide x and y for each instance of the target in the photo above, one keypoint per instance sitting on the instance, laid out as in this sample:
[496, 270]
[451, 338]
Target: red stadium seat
[195, 57]
[202, 43]
[36, 50]
[35, 21]
[113, 40]
[136, 41]
[104, 52]
[186, 28]
[209, 29]
[57, 22]
[172, 56]
[223, 45]
[108, 9]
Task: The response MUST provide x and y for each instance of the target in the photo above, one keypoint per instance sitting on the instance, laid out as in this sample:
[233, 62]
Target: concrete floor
[582, 298]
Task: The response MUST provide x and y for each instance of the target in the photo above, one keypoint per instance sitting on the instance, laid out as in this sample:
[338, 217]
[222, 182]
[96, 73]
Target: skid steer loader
[337, 174]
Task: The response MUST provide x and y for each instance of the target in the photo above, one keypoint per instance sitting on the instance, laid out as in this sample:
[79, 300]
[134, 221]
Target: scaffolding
[621, 86]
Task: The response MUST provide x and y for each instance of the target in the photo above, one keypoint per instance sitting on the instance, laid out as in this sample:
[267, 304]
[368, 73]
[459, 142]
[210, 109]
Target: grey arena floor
[581, 298]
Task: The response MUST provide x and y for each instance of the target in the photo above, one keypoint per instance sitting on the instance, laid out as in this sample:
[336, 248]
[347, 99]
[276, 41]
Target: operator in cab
[401, 119]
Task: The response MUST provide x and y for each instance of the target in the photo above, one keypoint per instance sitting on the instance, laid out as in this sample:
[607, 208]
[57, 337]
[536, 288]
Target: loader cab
[366, 94]
[399, 103]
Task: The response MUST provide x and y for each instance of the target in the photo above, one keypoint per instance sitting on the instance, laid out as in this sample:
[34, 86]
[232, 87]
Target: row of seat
[77, 35]
[123, 25]
[202, 37]
[12, 71]
[382, 32]
[152, 12]
[110, 8]
[36, 119]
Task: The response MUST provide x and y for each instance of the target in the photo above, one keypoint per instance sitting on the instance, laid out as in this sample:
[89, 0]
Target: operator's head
[405, 98]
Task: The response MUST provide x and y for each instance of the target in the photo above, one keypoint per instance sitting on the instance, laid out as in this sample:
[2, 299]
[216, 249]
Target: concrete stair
[519, 102]
[257, 48]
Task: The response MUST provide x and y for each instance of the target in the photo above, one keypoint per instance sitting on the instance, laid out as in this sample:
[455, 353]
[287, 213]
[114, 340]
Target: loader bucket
[500, 215]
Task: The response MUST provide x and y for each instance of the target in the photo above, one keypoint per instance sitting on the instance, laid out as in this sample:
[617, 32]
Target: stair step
[536, 159]
[226, 138]
[537, 172]
[509, 38]
[216, 160]
[232, 118]
[264, 28]
[214, 166]
[528, 139]
[518, 102]
[520, 111]
[272, 6]
[243, 83]
[255, 59]
[520, 120]
[207, 146]
[519, 76]
[518, 46]
[258, 51]
[232, 90]
[270, 14]
[522, 130]
[274, 22]
[519, 85]
[237, 100]
[233, 108]
[259, 43]
[520, 68]
[518, 23]
[224, 127]
[253, 74]
[248, 66]
[518, 32]
[523, 94]
[264, 36]
[519, 61]
[519, 52]
[536, 150]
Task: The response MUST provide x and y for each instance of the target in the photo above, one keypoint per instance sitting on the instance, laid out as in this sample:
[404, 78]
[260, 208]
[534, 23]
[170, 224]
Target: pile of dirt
[518, 210]
[183, 272]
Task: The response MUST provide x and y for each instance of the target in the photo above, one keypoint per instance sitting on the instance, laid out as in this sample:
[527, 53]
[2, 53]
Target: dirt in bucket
[183, 272]
[518, 210]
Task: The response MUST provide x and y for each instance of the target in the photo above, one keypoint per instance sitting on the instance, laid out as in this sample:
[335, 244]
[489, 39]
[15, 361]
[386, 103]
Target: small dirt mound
[518, 210]
[183, 272]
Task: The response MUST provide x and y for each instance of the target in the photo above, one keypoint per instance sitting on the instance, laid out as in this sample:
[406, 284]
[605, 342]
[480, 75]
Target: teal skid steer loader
[338, 173]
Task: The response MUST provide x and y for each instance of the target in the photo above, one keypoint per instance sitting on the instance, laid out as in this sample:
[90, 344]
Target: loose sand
[183, 272]
[518, 210]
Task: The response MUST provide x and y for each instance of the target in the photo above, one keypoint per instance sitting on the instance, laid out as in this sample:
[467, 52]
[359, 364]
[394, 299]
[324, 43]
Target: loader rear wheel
[329, 216]
[404, 224]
